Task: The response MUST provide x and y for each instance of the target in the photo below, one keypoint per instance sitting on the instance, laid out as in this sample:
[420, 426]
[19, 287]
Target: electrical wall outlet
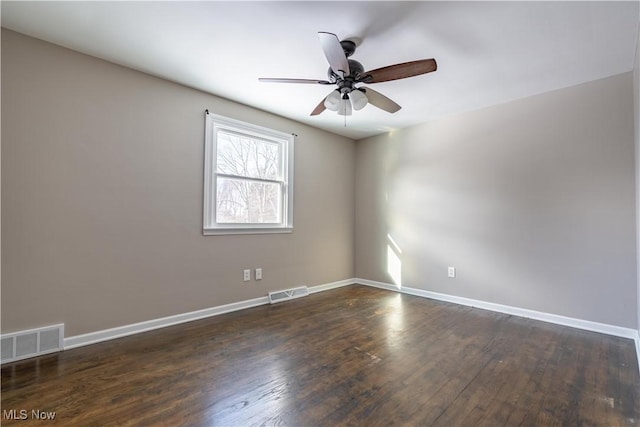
[451, 272]
[246, 275]
[258, 274]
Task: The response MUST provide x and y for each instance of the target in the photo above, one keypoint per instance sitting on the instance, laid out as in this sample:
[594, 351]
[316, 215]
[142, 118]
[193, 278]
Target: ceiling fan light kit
[336, 101]
[332, 101]
[347, 73]
[358, 99]
[345, 106]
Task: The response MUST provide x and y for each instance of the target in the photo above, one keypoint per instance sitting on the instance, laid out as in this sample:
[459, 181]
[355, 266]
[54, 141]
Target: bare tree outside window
[249, 184]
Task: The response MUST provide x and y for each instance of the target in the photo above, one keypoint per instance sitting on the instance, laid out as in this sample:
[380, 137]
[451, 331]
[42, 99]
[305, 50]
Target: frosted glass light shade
[345, 107]
[332, 101]
[358, 99]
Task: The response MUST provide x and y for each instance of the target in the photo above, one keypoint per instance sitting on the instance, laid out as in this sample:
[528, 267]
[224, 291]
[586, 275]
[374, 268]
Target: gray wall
[636, 99]
[102, 198]
[532, 201]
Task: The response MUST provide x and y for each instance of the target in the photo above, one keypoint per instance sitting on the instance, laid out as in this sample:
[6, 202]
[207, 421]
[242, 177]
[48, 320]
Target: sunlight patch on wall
[394, 263]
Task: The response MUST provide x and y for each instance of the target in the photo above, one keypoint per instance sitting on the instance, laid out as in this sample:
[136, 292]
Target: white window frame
[215, 123]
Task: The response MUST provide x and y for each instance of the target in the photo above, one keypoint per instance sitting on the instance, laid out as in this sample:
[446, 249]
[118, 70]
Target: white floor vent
[31, 343]
[288, 294]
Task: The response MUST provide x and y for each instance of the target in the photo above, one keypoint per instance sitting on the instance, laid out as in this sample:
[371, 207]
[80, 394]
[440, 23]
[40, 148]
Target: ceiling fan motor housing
[348, 46]
[355, 68]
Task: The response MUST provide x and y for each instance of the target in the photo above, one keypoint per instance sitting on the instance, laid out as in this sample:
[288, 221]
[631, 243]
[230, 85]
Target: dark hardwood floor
[350, 356]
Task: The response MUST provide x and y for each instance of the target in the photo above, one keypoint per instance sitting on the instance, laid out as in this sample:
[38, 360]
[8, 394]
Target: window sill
[226, 231]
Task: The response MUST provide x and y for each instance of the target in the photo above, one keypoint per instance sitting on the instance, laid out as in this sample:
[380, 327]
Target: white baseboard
[149, 325]
[332, 285]
[603, 328]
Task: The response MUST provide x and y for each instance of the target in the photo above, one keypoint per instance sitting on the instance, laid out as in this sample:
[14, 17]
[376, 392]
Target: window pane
[245, 156]
[249, 202]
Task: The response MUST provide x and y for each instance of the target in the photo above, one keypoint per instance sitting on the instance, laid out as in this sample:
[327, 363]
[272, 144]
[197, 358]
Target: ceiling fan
[347, 73]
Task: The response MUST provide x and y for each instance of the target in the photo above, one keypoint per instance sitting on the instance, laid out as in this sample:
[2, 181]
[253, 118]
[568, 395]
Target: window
[248, 178]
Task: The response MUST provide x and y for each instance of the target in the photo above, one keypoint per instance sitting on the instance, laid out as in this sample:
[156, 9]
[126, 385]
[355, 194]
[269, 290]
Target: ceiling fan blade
[319, 108]
[310, 81]
[400, 71]
[334, 53]
[379, 100]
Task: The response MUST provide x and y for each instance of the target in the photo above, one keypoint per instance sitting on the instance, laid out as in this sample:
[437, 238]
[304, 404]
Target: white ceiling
[487, 52]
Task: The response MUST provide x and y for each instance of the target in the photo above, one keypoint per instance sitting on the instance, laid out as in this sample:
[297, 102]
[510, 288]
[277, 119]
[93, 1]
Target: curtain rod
[206, 111]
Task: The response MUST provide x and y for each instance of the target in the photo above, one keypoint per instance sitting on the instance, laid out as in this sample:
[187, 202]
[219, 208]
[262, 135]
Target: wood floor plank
[350, 356]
